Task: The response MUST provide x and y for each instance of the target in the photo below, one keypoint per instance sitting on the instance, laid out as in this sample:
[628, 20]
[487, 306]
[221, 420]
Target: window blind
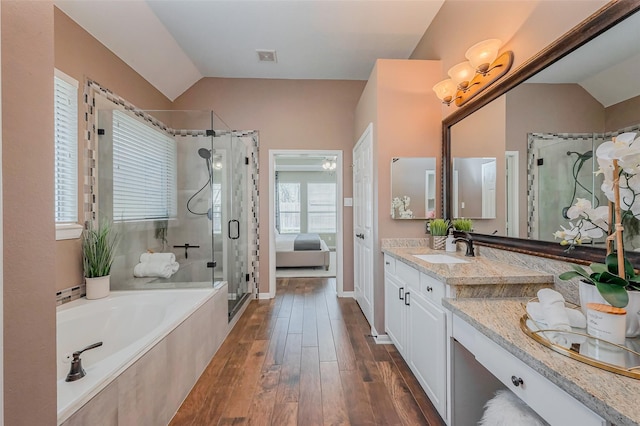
[144, 171]
[321, 207]
[66, 151]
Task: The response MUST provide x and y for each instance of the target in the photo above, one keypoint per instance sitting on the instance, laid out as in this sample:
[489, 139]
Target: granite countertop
[610, 395]
[477, 271]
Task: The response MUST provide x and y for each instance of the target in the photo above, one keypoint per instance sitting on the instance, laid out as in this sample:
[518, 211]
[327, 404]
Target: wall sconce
[329, 164]
[470, 78]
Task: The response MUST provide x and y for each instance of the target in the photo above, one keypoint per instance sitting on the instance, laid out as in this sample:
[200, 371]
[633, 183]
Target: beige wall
[289, 114]
[81, 56]
[406, 123]
[28, 226]
[623, 114]
[524, 26]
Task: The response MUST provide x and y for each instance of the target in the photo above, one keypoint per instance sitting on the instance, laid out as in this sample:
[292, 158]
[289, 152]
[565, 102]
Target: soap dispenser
[450, 243]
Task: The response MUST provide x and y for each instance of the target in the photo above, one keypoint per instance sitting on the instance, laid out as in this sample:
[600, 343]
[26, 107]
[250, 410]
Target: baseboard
[380, 339]
[264, 296]
[347, 294]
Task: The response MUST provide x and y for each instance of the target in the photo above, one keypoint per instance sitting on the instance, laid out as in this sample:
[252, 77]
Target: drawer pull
[517, 381]
[387, 263]
[401, 293]
[406, 298]
[429, 288]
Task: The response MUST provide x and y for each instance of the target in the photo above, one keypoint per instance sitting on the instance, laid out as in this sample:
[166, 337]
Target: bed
[301, 250]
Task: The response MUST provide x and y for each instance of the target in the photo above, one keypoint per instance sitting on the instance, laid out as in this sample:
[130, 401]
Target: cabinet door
[426, 342]
[395, 314]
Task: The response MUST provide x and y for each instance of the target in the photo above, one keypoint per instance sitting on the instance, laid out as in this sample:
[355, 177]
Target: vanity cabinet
[553, 404]
[416, 323]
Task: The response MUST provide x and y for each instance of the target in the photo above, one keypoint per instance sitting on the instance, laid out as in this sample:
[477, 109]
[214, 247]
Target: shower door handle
[237, 233]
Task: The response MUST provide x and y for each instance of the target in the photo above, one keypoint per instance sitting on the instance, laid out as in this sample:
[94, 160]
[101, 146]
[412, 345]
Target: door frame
[512, 158]
[339, 215]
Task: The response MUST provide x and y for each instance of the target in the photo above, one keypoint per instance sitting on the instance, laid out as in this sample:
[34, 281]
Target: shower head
[204, 153]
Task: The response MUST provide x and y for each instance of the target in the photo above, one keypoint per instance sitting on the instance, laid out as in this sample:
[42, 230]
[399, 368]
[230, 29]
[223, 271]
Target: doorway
[305, 216]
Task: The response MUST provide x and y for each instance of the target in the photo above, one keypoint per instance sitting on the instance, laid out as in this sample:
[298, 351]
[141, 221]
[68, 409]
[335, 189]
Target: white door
[363, 222]
[395, 313]
[489, 190]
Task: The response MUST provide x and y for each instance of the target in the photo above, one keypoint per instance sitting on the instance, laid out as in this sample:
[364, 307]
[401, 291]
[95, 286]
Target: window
[144, 171]
[321, 207]
[65, 114]
[289, 207]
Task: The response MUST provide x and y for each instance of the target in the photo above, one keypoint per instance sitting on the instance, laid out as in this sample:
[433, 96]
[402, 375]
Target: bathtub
[129, 323]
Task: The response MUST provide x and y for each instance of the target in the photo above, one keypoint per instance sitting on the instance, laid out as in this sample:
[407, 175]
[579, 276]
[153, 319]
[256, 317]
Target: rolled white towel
[576, 318]
[555, 315]
[158, 257]
[155, 269]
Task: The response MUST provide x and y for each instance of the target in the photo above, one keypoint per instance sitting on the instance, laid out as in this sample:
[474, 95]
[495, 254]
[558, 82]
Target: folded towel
[576, 318]
[155, 269]
[158, 257]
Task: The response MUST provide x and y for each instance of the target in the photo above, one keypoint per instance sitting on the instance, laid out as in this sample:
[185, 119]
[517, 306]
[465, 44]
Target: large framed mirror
[546, 117]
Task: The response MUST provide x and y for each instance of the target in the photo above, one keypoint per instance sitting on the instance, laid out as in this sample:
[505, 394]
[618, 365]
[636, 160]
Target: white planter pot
[589, 294]
[98, 287]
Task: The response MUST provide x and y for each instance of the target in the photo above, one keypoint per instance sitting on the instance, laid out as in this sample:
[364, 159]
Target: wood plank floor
[305, 358]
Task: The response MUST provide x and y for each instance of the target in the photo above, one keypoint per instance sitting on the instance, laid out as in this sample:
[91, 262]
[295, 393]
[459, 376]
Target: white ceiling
[174, 43]
[606, 67]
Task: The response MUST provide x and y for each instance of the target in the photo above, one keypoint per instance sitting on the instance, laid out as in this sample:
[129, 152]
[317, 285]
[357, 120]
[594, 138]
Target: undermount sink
[439, 258]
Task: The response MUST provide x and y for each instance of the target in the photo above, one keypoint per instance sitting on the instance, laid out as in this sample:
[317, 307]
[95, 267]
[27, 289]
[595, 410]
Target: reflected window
[66, 149]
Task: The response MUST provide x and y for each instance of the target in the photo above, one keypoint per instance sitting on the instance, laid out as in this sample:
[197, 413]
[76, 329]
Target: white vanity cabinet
[416, 323]
[553, 404]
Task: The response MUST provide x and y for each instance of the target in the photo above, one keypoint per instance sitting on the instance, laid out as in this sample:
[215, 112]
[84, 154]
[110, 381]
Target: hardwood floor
[305, 358]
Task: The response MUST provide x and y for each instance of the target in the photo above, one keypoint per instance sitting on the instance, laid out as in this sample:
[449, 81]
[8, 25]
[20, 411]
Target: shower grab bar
[237, 235]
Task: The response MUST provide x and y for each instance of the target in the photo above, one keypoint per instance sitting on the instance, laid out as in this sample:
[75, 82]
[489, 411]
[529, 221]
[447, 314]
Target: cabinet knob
[429, 288]
[387, 263]
[517, 381]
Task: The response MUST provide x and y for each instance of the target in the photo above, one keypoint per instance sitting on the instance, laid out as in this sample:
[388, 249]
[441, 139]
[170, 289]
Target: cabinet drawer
[552, 403]
[408, 275]
[431, 289]
[389, 264]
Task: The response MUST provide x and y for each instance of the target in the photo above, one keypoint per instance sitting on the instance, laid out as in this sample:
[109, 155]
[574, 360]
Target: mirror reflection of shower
[575, 170]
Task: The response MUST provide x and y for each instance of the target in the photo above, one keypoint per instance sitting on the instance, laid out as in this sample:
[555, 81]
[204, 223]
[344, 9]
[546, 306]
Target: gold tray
[619, 359]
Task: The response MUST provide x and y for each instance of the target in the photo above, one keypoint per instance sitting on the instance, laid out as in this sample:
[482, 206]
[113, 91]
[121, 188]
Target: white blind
[144, 171]
[66, 151]
[321, 207]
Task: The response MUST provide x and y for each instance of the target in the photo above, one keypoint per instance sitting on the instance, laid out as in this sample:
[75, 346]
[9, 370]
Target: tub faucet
[77, 372]
[469, 242]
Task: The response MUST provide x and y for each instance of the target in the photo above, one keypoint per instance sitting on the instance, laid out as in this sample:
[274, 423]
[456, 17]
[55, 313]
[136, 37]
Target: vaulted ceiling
[174, 43]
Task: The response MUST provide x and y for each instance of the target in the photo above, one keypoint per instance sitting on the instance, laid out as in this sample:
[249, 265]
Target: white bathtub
[129, 323]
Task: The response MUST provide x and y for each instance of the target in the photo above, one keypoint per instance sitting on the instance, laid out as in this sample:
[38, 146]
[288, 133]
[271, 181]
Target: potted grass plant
[438, 229]
[98, 247]
[462, 224]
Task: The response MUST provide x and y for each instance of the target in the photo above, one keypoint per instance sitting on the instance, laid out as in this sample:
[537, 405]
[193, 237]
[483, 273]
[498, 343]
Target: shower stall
[180, 183]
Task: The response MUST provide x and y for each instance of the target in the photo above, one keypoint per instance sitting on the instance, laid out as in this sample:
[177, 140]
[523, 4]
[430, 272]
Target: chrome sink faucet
[469, 242]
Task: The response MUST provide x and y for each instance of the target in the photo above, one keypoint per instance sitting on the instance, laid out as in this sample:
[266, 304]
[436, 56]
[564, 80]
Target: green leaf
[578, 271]
[598, 267]
[612, 265]
[609, 278]
[615, 295]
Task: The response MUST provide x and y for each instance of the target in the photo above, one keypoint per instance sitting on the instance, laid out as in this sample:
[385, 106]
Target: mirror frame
[599, 22]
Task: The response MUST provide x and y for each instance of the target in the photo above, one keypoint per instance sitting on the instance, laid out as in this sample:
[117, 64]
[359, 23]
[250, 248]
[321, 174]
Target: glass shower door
[231, 178]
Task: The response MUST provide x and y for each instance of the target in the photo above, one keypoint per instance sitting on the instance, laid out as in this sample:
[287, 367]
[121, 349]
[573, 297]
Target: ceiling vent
[267, 56]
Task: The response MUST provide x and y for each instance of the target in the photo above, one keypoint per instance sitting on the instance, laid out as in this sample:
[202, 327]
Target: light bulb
[445, 90]
[462, 74]
[482, 54]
